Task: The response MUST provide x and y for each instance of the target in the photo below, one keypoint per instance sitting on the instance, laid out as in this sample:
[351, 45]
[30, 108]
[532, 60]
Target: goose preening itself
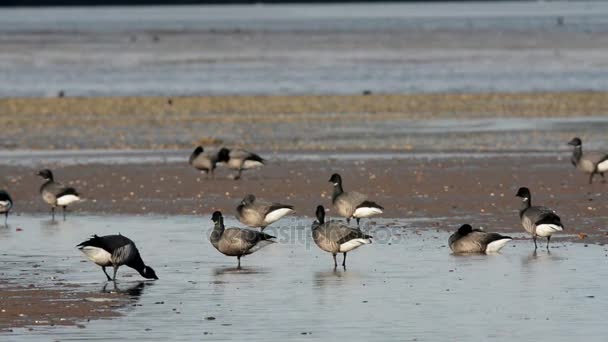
[56, 194]
[352, 204]
[203, 160]
[590, 162]
[334, 237]
[469, 240]
[259, 214]
[115, 251]
[6, 204]
[236, 241]
[239, 160]
[536, 220]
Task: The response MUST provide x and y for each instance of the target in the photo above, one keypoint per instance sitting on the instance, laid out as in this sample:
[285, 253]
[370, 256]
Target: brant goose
[590, 162]
[334, 237]
[115, 251]
[6, 204]
[536, 220]
[352, 204]
[260, 214]
[239, 160]
[203, 161]
[236, 241]
[56, 194]
[469, 240]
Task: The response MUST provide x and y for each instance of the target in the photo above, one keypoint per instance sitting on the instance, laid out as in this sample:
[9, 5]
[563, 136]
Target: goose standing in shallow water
[203, 160]
[115, 251]
[236, 241]
[352, 204]
[334, 237]
[536, 220]
[469, 240]
[260, 214]
[239, 160]
[56, 194]
[591, 162]
[6, 204]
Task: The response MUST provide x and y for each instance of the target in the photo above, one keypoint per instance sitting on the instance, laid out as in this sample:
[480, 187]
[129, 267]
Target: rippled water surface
[405, 286]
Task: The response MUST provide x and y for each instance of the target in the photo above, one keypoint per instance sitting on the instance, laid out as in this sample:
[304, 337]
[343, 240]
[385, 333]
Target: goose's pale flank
[334, 237]
[256, 213]
[537, 220]
[469, 240]
[6, 204]
[352, 204]
[236, 241]
[239, 160]
[115, 251]
[589, 162]
[202, 160]
[56, 194]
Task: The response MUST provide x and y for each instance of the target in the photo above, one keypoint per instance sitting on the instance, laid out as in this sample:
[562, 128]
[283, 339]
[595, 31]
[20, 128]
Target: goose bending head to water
[259, 214]
[55, 193]
[537, 220]
[469, 240]
[590, 162]
[239, 160]
[6, 204]
[115, 251]
[236, 241]
[203, 160]
[352, 204]
[334, 237]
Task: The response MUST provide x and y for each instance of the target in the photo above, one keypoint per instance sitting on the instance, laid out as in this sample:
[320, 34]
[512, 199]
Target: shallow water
[405, 286]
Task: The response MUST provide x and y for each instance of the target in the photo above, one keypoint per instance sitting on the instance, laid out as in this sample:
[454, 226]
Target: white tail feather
[495, 246]
[352, 244]
[545, 230]
[275, 215]
[67, 200]
[366, 212]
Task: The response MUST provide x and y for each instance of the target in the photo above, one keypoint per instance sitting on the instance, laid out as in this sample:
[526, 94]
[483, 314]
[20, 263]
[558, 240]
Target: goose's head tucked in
[576, 142]
[197, 151]
[223, 155]
[320, 213]
[148, 273]
[46, 174]
[248, 200]
[465, 229]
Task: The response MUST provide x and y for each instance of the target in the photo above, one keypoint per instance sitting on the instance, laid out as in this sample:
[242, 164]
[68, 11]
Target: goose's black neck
[337, 191]
[137, 264]
[577, 153]
[217, 232]
[525, 204]
[45, 184]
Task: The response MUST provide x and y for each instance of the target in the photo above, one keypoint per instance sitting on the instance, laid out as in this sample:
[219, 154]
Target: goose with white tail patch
[537, 220]
[236, 241]
[56, 194]
[202, 160]
[469, 240]
[115, 251]
[590, 162]
[352, 204]
[239, 160]
[257, 213]
[334, 237]
[6, 204]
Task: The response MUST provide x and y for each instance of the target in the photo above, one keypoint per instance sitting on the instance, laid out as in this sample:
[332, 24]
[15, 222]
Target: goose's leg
[115, 270]
[591, 177]
[238, 174]
[64, 212]
[348, 220]
[603, 178]
[6, 218]
[263, 227]
[358, 219]
[344, 260]
[548, 239]
[534, 238]
[53, 213]
[239, 261]
[335, 262]
[106, 273]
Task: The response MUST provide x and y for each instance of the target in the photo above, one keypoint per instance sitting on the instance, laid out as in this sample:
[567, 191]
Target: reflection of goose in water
[535, 258]
[334, 277]
[131, 289]
[219, 271]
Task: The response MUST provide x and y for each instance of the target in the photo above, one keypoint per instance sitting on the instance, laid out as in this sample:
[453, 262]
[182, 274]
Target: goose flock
[333, 237]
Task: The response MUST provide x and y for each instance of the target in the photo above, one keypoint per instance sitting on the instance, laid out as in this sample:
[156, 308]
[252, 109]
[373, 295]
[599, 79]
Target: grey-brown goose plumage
[55, 193]
[334, 237]
[115, 251]
[6, 204]
[537, 220]
[257, 213]
[236, 241]
[469, 240]
[591, 163]
[202, 160]
[239, 160]
[352, 204]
